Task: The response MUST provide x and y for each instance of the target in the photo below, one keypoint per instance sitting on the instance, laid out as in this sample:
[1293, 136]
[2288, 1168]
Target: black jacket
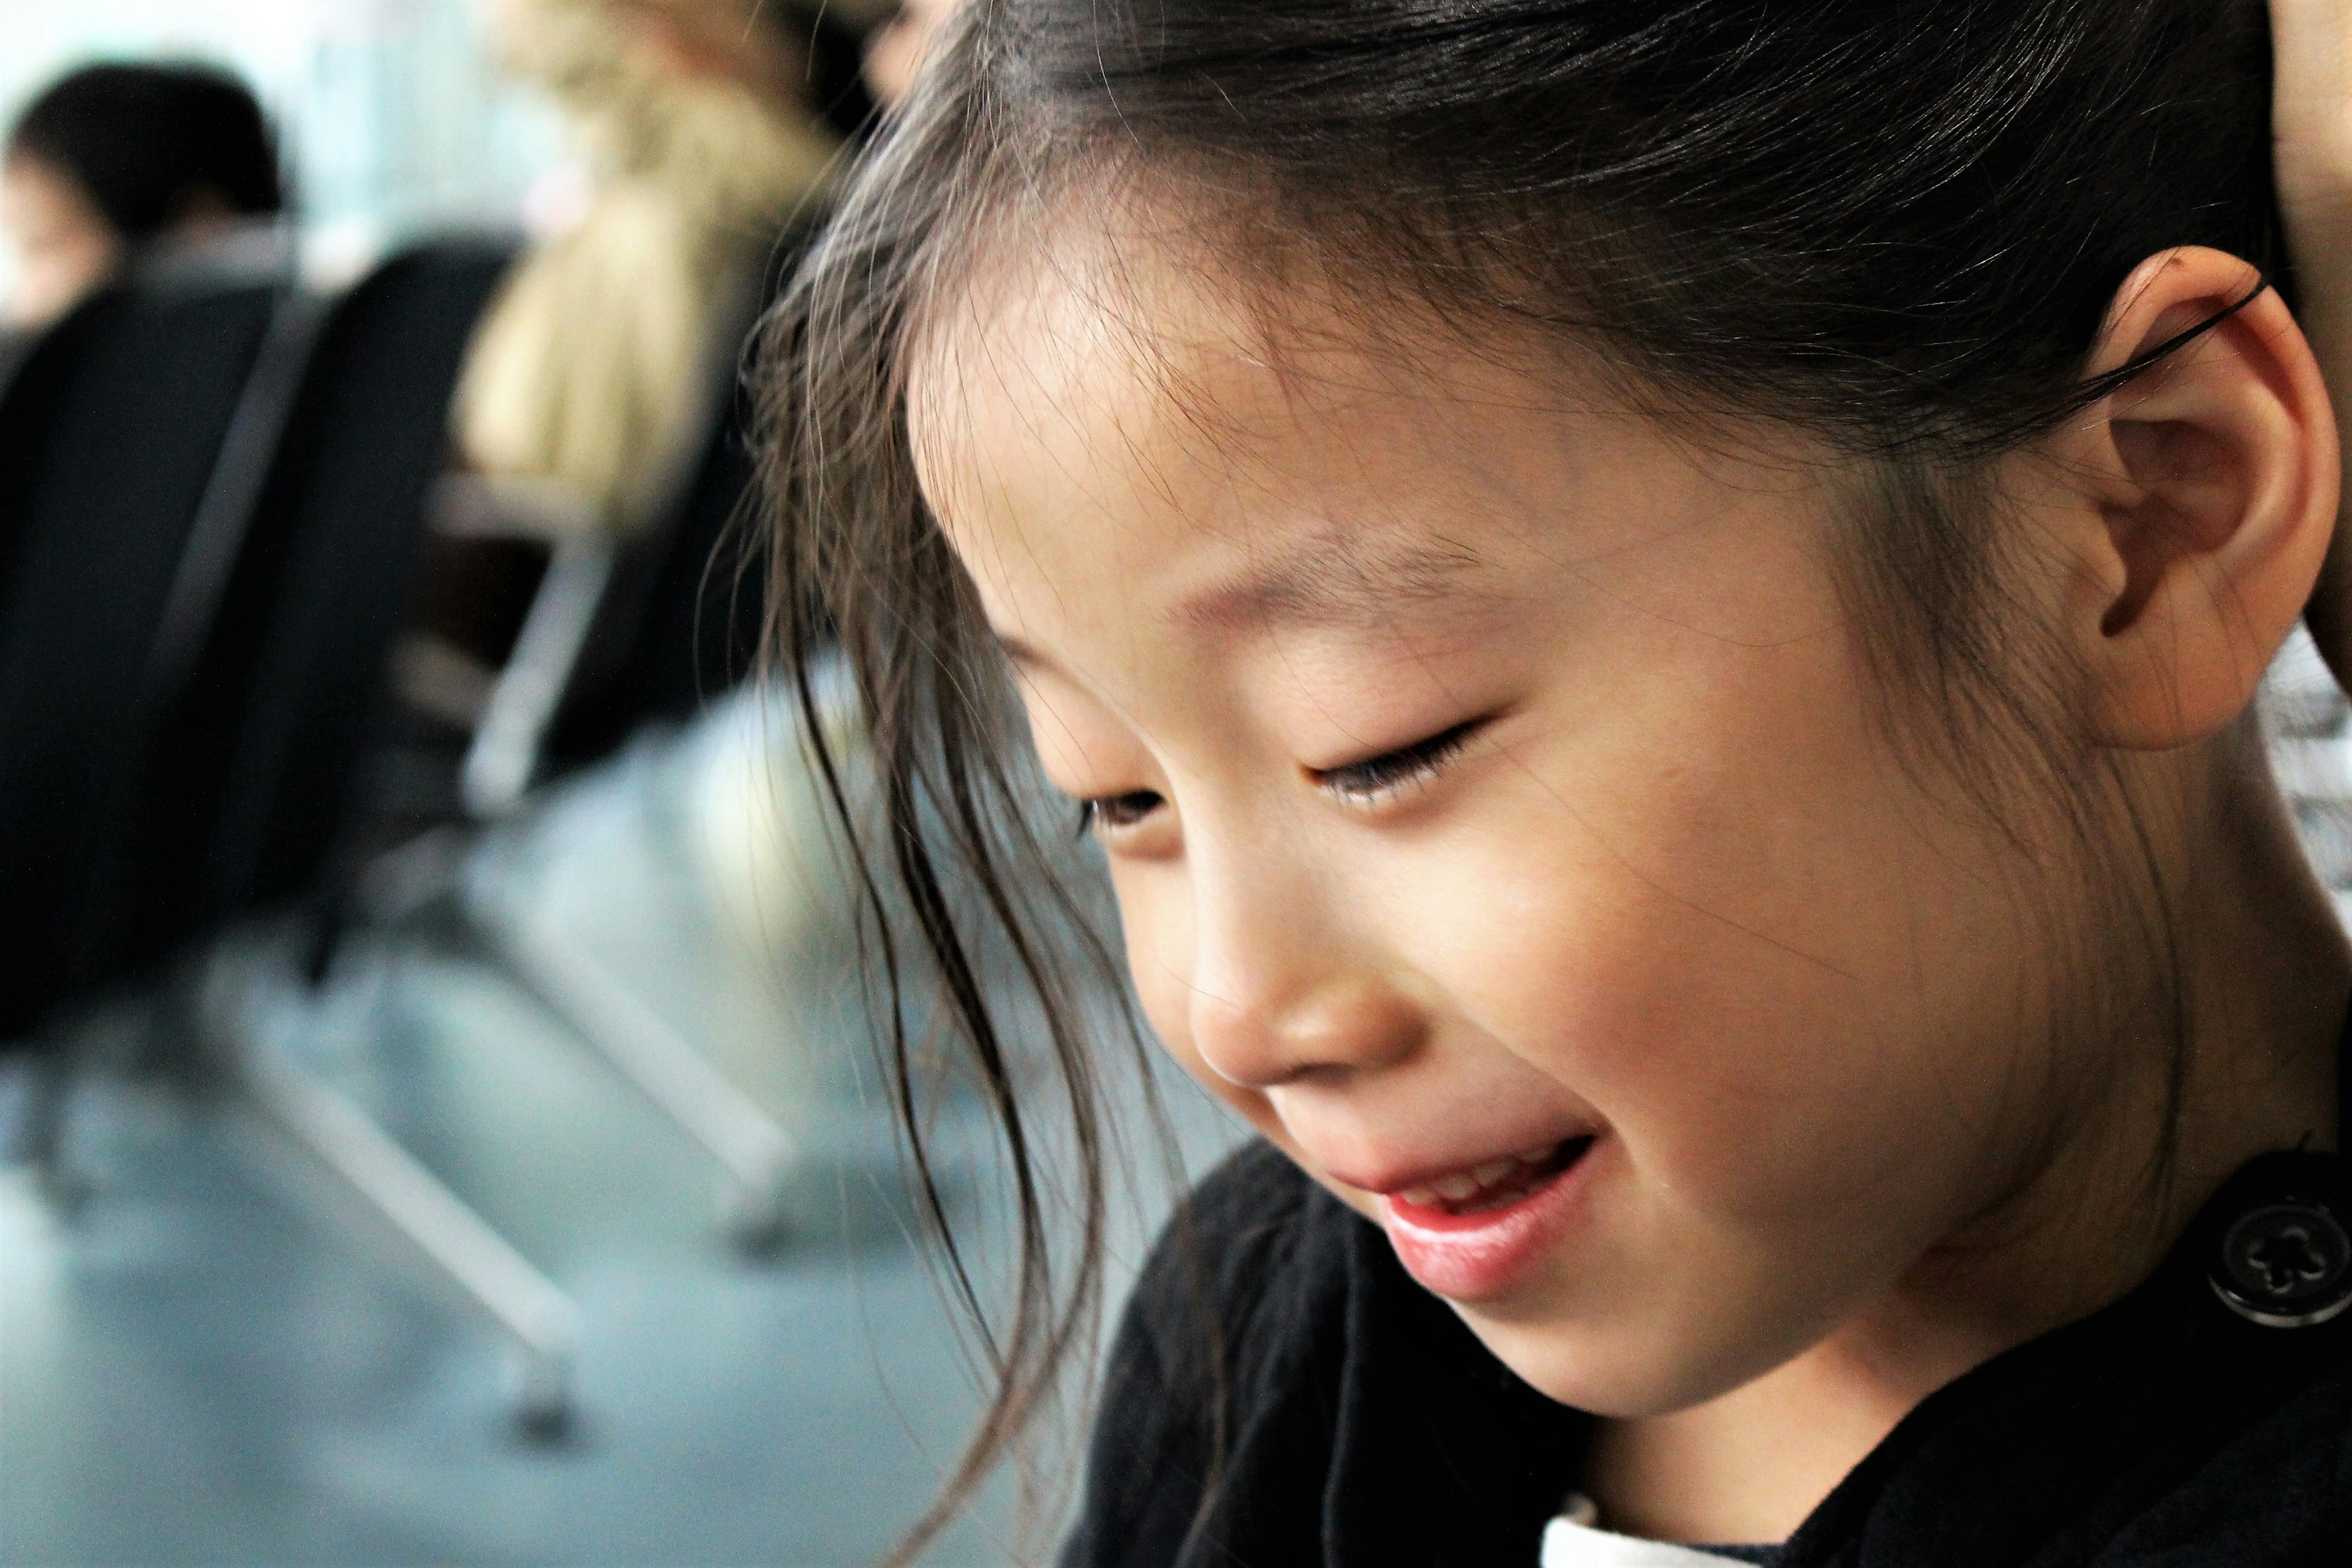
[1365, 1428]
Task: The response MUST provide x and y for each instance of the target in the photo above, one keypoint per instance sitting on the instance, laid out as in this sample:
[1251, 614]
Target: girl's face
[1502, 817]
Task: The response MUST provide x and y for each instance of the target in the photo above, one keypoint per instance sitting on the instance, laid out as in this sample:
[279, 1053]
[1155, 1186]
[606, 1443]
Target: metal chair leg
[538, 1317]
[756, 1154]
[42, 1134]
[540, 1321]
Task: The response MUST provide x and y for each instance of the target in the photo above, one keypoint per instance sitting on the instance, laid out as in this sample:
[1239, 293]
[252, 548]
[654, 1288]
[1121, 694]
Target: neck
[2264, 973]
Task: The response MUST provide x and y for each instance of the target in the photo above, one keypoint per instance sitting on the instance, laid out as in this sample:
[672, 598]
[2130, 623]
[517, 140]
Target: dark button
[2285, 1264]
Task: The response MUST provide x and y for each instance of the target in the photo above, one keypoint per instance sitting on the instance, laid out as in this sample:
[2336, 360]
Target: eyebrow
[1331, 581]
[1328, 581]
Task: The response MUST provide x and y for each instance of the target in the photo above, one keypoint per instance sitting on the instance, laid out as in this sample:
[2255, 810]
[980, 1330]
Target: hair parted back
[1896, 224]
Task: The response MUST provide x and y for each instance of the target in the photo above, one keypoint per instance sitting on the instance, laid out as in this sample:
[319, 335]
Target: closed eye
[1370, 782]
[1376, 779]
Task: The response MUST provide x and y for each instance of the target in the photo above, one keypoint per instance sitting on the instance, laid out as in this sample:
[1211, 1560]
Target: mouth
[1471, 1234]
[1496, 1185]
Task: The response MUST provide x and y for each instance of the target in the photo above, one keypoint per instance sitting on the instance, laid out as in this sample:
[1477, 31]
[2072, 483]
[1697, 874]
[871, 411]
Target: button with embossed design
[2285, 1264]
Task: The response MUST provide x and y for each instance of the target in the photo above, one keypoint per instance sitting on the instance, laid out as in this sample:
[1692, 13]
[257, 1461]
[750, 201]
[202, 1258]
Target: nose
[1281, 987]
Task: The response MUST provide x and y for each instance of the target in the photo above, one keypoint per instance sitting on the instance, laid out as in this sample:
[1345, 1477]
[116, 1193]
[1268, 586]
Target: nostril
[1346, 1025]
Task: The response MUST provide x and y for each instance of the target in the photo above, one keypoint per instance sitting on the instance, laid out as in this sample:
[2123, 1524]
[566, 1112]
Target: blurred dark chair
[118, 437]
[645, 632]
[251, 780]
[620, 639]
[207, 680]
[680, 623]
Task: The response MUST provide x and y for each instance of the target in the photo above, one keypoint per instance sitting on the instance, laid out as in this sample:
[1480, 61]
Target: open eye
[1110, 813]
[1376, 779]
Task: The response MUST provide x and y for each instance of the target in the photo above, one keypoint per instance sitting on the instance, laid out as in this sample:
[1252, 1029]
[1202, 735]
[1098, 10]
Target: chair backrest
[111, 438]
[681, 621]
[247, 789]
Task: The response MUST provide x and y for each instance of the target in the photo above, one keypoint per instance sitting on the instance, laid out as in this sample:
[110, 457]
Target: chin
[1623, 1370]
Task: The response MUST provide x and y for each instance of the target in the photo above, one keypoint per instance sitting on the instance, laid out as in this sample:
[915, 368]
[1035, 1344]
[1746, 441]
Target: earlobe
[2213, 476]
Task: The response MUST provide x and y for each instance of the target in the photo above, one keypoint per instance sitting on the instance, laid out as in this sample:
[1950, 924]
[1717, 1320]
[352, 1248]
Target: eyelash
[1099, 815]
[1363, 783]
[1358, 784]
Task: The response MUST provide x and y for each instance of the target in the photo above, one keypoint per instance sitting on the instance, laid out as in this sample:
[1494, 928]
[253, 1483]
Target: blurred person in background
[703, 126]
[122, 163]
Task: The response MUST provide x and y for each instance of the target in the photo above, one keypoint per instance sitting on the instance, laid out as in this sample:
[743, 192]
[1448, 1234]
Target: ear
[2206, 492]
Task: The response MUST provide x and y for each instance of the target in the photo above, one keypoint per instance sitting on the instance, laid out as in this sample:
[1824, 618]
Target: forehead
[1117, 431]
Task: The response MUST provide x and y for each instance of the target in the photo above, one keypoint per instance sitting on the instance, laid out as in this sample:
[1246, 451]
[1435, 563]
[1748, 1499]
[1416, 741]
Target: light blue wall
[394, 115]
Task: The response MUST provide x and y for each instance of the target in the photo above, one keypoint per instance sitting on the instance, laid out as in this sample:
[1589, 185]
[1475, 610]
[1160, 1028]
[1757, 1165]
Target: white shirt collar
[1569, 1542]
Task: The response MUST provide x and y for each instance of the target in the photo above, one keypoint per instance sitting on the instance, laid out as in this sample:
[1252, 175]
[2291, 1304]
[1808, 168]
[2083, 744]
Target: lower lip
[1478, 1256]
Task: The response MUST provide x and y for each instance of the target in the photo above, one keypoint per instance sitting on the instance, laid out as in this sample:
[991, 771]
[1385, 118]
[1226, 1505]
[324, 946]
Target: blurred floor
[222, 1360]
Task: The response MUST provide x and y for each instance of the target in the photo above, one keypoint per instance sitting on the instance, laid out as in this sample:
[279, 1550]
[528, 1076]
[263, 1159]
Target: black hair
[1895, 224]
[146, 141]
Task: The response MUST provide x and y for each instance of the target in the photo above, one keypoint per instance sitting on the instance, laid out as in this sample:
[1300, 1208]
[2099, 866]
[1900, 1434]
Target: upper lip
[1388, 1179]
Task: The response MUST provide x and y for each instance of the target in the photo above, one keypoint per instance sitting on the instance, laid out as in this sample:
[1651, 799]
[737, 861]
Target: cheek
[1746, 1081]
[1739, 937]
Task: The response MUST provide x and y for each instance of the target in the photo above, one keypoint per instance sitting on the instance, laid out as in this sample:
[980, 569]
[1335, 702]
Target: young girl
[1654, 605]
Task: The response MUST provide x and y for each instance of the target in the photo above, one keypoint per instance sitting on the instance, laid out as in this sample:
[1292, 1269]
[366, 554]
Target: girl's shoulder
[1248, 1279]
[1243, 1294]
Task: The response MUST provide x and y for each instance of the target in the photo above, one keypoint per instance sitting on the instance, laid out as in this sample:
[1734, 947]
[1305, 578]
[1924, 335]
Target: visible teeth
[1468, 1184]
[1494, 1170]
